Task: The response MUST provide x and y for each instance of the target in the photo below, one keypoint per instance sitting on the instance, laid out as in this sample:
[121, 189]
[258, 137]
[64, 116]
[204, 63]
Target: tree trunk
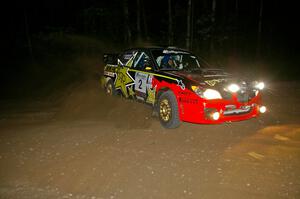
[127, 31]
[170, 37]
[145, 21]
[188, 32]
[236, 28]
[29, 44]
[259, 31]
[213, 19]
[138, 20]
[192, 26]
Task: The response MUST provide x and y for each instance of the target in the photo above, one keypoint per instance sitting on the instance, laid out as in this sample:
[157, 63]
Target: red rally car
[181, 87]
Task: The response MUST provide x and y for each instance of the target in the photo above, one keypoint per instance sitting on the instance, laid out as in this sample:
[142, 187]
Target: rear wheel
[110, 88]
[168, 110]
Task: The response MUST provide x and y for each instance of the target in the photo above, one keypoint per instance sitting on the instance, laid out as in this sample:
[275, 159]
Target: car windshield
[176, 60]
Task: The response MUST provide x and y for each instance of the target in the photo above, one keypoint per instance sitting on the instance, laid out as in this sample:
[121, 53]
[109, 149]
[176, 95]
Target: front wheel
[168, 110]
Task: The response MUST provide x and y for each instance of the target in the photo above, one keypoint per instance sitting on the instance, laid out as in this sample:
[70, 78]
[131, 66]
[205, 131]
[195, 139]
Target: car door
[124, 80]
[142, 65]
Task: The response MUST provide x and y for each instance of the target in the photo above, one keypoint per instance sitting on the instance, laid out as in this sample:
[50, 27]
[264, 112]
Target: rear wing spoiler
[111, 58]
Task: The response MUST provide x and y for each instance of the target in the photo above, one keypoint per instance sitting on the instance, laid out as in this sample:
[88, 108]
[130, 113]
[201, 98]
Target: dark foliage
[35, 33]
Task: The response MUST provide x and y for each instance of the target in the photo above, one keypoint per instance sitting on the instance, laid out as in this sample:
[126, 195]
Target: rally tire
[168, 110]
[110, 88]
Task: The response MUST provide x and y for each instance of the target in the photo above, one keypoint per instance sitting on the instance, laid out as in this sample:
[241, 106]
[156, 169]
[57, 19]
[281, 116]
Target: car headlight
[207, 94]
[211, 94]
[233, 88]
[260, 85]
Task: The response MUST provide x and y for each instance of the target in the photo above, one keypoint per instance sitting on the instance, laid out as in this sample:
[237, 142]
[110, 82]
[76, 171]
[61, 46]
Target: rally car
[181, 87]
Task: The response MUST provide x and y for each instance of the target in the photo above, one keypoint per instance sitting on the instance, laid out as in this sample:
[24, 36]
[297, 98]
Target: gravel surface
[93, 146]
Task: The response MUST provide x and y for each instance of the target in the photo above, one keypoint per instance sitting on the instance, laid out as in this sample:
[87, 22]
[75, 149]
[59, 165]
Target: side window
[127, 56]
[190, 61]
[141, 61]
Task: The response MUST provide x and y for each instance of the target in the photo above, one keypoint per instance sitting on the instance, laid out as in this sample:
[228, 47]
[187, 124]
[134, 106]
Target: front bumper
[228, 111]
[229, 115]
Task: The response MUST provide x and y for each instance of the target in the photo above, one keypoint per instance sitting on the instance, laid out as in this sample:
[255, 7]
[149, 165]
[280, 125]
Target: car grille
[232, 110]
[226, 95]
[244, 95]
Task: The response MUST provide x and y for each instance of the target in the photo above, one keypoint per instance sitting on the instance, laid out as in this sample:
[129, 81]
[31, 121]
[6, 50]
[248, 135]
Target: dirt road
[92, 146]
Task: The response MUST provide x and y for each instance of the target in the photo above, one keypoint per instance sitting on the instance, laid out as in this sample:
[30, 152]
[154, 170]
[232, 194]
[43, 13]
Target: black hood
[204, 77]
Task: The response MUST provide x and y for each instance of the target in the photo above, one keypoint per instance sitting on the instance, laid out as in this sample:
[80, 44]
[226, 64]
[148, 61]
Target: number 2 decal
[142, 81]
[140, 84]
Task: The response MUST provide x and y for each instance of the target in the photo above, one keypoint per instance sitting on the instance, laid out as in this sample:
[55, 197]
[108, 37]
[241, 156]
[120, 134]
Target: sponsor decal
[188, 100]
[130, 57]
[174, 52]
[183, 93]
[111, 68]
[108, 73]
[141, 82]
[180, 84]
[130, 91]
[123, 80]
[214, 81]
[151, 95]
